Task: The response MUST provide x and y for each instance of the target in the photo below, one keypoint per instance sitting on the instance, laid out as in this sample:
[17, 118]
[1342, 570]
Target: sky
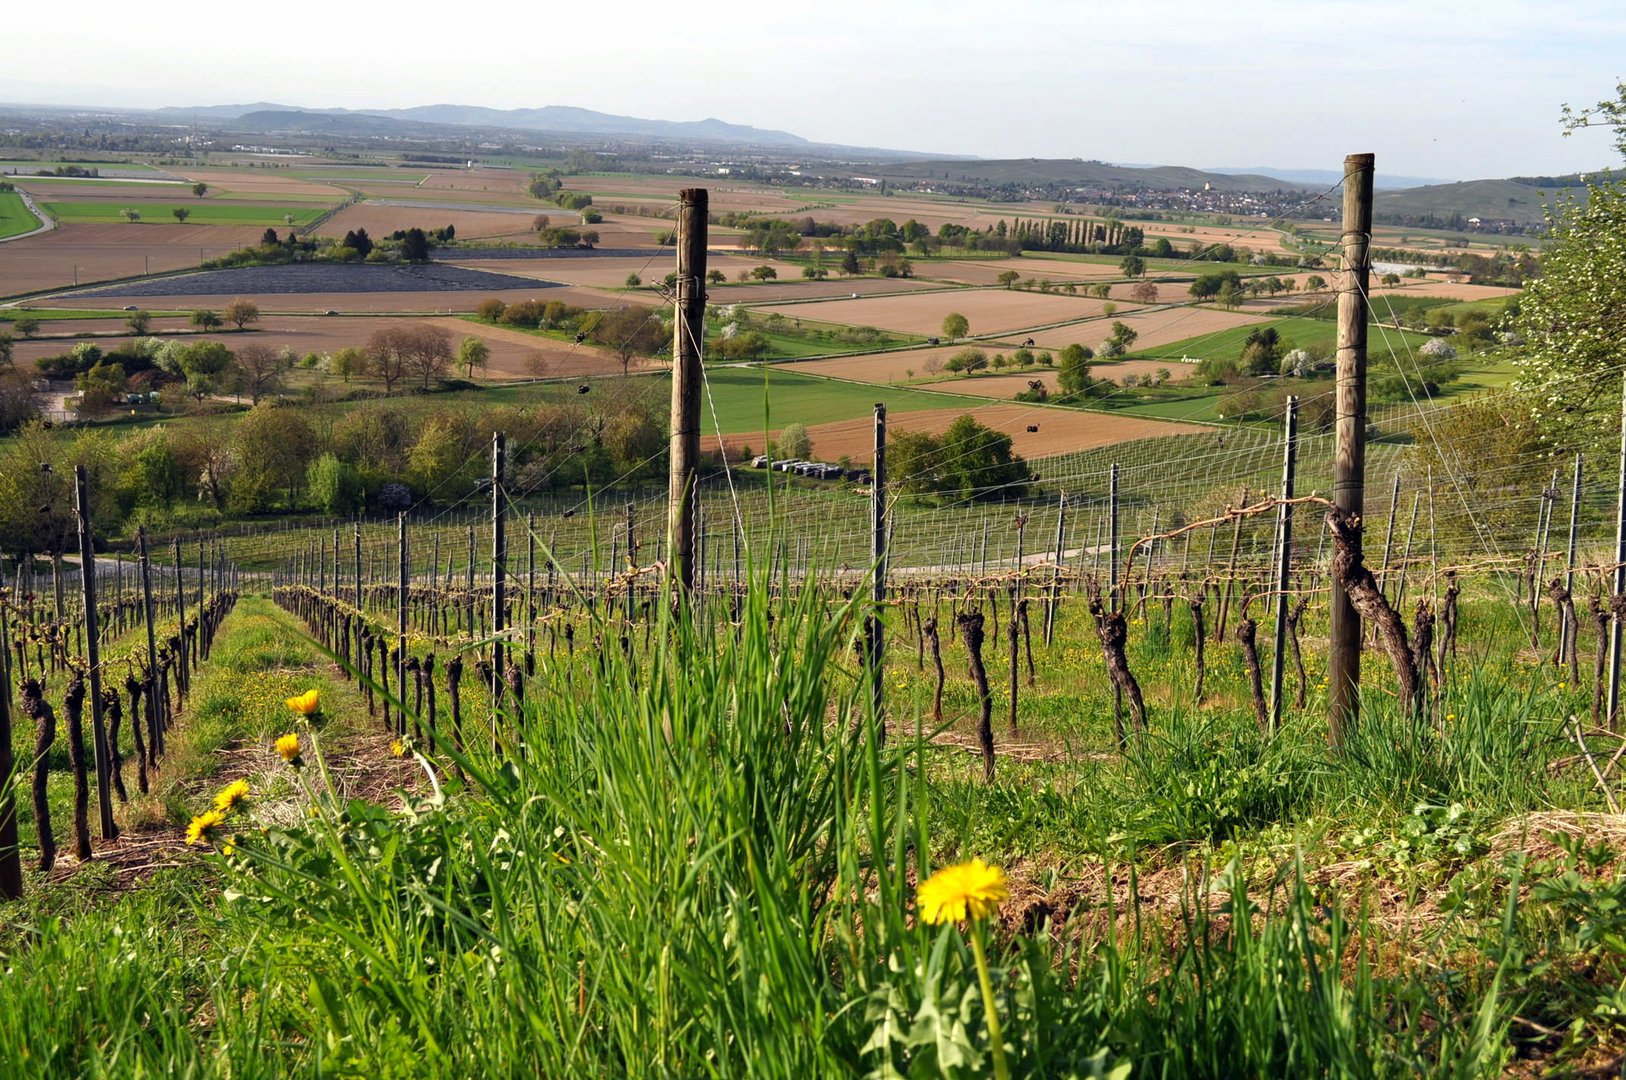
[1435, 88]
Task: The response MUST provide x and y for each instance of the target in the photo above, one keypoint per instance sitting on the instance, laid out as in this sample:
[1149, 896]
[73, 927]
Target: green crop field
[15, 218]
[200, 212]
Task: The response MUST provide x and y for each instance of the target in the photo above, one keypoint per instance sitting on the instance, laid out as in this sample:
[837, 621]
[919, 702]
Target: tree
[794, 443]
[204, 319]
[241, 311]
[348, 362]
[26, 325]
[1571, 316]
[181, 213]
[441, 457]
[968, 461]
[333, 485]
[359, 242]
[630, 332]
[130, 214]
[415, 246]
[138, 322]
[201, 364]
[955, 325]
[274, 447]
[1073, 373]
[428, 353]
[849, 263]
[269, 238]
[1008, 278]
[1261, 351]
[1315, 283]
[1390, 280]
[200, 189]
[764, 273]
[259, 372]
[101, 389]
[1132, 266]
[716, 277]
[490, 310]
[633, 281]
[1437, 349]
[1230, 296]
[1144, 292]
[473, 353]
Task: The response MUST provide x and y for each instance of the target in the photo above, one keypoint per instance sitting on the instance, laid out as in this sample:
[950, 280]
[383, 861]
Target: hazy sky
[1443, 89]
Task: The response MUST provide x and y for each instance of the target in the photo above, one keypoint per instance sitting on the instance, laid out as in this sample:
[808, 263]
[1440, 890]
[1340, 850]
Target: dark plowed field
[322, 278]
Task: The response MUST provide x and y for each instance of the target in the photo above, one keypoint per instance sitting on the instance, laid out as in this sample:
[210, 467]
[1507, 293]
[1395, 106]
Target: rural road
[49, 221]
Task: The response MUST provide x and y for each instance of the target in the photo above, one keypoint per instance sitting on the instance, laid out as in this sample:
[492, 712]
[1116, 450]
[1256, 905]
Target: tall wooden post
[1349, 468]
[1567, 629]
[154, 724]
[93, 658]
[688, 329]
[183, 680]
[1112, 589]
[1619, 576]
[403, 583]
[499, 567]
[11, 856]
[878, 538]
[1284, 558]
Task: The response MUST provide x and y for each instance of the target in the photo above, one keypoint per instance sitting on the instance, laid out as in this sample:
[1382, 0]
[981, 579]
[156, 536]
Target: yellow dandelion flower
[970, 890]
[305, 704]
[397, 748]
[230, 795]
[229, 848]
[202, 829]
[288, 747]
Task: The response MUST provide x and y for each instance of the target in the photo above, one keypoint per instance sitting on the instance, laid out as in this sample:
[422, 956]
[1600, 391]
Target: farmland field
[989, 311]
[200, 212]
[15, 218]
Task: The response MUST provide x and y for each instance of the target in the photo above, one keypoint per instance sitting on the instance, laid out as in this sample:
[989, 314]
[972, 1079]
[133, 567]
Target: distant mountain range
[1071, 172]
[1327, 177]
[554, 119]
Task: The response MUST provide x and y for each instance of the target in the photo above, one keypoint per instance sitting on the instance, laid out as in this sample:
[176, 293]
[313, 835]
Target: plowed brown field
[988, 310]
[1060, 431]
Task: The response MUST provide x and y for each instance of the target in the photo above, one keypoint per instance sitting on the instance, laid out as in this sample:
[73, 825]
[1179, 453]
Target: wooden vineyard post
[1349, 467]
[155, 725]
[403, 579]
[688, 330]
[878, 552]
[530, 594]
[93, 658]
[11, 855]
[1389, 536]
[1284, 558]
[1618, 578]
[182, 679]
[1567, 634]
[1112, 588]
[1055, 577]
[357, 596]
[499, 570]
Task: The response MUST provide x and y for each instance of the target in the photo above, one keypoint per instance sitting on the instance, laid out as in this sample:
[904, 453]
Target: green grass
[25, 167]
[15, 217]
[710, 871]
[201, 212]
[1296, 333]
[56, 186]
[739, 395]
[52, 314]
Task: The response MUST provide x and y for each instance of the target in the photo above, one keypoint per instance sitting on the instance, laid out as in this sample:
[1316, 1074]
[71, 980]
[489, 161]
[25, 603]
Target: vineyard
[537, 819]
